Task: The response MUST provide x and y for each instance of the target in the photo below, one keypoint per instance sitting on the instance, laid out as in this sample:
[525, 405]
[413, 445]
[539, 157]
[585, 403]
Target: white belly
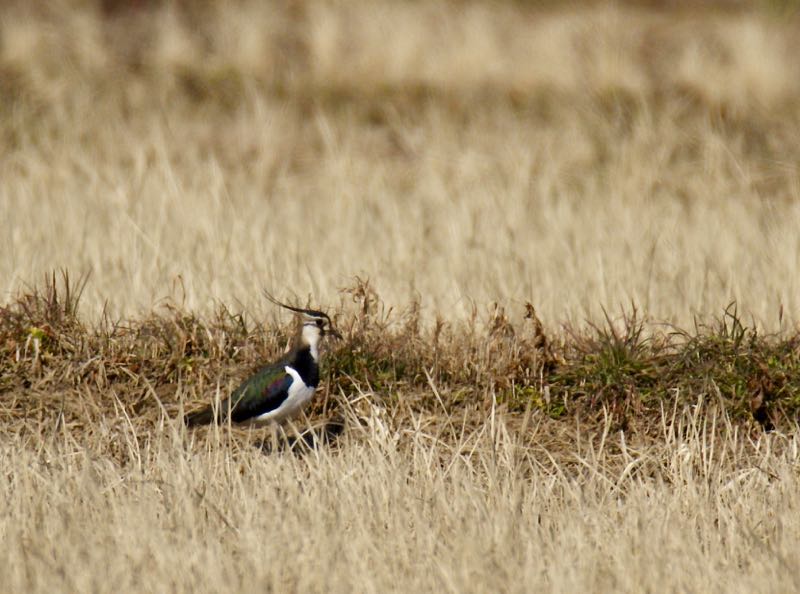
[299, 395]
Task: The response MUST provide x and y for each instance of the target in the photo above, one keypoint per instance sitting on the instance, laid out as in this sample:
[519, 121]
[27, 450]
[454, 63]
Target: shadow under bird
[281, 389]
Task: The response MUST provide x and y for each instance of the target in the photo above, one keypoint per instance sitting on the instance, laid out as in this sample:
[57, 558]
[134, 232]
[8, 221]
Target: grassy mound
[56, 368]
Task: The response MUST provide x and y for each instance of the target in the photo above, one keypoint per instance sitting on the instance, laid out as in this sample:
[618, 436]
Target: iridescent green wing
[263, 392]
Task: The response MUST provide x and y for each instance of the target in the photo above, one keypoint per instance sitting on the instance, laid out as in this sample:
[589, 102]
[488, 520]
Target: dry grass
[474, 161]
[399, 508]
[469, 457]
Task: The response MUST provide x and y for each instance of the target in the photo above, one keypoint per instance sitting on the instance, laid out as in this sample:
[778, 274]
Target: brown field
[561, 242]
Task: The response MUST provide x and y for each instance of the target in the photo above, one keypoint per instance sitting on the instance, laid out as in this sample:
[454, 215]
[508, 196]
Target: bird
[281, 389]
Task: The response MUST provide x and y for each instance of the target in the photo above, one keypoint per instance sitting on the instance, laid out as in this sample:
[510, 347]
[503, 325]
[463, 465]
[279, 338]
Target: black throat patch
[305, 365]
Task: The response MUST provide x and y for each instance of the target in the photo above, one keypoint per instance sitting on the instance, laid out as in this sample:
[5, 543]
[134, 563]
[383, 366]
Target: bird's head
[315, 324]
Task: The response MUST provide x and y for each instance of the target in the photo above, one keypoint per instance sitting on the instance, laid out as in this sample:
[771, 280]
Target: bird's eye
[320, 323]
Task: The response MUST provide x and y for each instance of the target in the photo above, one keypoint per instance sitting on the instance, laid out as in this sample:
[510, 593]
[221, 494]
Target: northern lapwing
[281, 389]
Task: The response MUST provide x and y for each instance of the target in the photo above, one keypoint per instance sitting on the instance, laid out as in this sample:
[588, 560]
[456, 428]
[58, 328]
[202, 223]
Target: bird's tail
[200, 417]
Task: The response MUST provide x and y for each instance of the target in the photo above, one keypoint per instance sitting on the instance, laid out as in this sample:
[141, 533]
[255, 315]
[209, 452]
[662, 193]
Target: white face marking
[299, 395]
[311, 335]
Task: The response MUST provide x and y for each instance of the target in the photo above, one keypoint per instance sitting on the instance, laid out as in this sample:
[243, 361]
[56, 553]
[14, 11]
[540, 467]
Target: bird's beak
[334, 332]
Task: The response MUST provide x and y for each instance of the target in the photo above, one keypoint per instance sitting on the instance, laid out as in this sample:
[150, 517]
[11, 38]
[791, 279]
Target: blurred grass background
[573, 155]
